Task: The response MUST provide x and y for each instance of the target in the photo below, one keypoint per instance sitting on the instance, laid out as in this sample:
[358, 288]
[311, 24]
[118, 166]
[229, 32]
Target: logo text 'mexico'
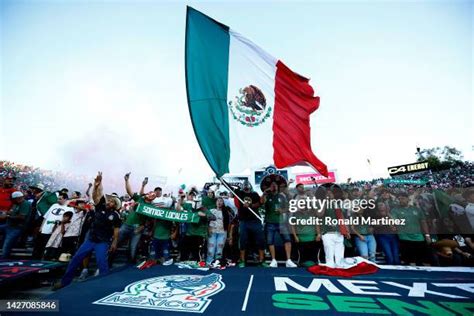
[182, 293]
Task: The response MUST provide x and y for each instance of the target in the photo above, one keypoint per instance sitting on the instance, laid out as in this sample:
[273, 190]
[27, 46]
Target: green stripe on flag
[167, 214]
[207, 61]
[443, 201]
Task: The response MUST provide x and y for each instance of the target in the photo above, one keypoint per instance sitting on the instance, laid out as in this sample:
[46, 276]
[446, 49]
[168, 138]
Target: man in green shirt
[196, 233]
[209, 201]
[272, 201]
[134, 224]
[161, 241]
[15, 224]
[414, 237]
[306, 237]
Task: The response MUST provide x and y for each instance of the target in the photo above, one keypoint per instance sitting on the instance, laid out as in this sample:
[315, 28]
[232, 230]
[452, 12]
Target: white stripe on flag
[251, 147]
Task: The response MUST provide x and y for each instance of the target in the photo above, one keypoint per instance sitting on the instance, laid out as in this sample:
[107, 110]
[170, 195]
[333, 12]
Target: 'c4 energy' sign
[413, 167]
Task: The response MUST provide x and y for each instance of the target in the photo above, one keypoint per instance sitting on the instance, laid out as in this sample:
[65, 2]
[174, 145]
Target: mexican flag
[248, 109]
[349, 267]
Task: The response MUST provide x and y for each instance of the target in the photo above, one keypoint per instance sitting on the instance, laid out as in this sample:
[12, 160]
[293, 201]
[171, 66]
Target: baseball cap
[17, 194]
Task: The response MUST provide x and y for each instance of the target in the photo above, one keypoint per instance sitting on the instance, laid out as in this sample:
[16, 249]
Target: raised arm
[144, 183]
[179, 203]
[128, 188]
[97, 191]
[88, 191]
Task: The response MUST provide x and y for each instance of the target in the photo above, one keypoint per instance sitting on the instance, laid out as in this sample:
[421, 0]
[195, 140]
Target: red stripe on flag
[359, 269]
[294, 103]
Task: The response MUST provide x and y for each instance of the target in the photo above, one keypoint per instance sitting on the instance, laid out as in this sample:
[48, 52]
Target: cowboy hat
[38, 186]
[118, 202]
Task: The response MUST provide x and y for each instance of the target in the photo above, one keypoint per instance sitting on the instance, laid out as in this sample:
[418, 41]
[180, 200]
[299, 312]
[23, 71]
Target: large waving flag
[248, 109]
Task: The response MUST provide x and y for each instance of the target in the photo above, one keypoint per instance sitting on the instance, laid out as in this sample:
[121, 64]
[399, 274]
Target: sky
[100, 85]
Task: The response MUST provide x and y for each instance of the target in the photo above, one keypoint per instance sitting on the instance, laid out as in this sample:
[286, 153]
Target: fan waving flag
[248, 109]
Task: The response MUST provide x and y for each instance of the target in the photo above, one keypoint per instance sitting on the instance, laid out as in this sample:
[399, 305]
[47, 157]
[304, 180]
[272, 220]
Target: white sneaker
[168, 262]
[215, 264]
[96, 272]
[290, 264]
[274, 264]
[84, 274]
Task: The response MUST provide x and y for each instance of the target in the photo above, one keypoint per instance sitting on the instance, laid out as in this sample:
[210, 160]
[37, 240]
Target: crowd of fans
[69, 226]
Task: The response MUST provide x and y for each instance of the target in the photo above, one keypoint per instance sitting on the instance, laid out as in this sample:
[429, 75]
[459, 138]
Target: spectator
[6, 191]
[308, 242]
[218, 228]
[161, 241]
[41, 204]
[414, 235]
[274, 224]
[209, 201]
[134, 224]
[105, 225]
[250, 227]
[468, 195]
[364, 238]
[15, 225]
[53, 215]
[196, 233]
[161, 200]
[465, 249]
[386, 236]
[71, 236]
[333, 235]
[75, 195]
[54, 242]
[387, 198]
[43, 199]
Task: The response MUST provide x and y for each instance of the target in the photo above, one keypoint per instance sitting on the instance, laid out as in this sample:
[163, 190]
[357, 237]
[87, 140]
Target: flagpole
[238, 197]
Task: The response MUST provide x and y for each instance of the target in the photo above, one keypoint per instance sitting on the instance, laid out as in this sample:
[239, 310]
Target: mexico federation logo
[178, 293]
[250, 107]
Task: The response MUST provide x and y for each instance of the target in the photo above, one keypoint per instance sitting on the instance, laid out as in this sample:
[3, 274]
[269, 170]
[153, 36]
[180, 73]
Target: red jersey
[5, 198]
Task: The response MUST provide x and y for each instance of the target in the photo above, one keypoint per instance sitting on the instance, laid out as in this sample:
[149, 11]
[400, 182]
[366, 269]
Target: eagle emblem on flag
[250, 106]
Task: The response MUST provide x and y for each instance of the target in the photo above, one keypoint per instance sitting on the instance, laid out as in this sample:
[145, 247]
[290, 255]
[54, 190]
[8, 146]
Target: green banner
[405, 181]
[167, 214]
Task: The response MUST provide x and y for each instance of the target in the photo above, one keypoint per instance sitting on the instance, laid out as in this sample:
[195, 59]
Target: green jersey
[200, 228]
[162, 229]
[306, 233]
[411, 231]
[19, 209]
[272, 205]
[133, 218]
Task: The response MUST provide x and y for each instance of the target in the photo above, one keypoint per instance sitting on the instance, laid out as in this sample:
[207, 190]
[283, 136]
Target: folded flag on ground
[349, 267]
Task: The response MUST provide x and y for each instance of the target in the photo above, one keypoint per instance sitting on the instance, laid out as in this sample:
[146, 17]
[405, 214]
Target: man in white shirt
[160, 200]
[54, 214]
[71, 236]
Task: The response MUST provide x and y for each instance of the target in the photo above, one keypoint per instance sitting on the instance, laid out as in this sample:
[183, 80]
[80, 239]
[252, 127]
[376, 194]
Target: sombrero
[446, 243]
